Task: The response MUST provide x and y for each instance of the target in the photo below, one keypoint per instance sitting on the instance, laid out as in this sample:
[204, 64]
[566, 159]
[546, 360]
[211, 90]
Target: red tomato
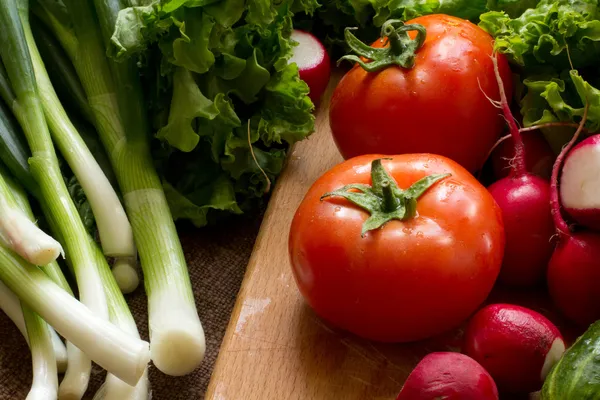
[436, 107]
[410, 279]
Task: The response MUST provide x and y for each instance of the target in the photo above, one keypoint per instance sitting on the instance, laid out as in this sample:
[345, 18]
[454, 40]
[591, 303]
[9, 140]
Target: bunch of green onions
[37, 134]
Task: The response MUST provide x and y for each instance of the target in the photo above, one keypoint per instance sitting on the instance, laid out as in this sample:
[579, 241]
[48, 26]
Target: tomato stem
[390, 202]
[401, 50]
[384, 200]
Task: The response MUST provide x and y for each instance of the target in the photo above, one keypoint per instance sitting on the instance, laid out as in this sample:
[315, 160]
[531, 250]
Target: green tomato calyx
[401, 50]
[384, 200]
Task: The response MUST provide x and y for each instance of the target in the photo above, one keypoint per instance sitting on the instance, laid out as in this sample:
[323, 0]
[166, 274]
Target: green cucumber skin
[577, 375]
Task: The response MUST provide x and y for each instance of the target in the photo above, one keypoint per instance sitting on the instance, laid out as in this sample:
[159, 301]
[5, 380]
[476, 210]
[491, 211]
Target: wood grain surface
[275, 347]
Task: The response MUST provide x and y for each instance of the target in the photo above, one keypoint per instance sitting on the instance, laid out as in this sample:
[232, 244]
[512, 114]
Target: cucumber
[577, 375]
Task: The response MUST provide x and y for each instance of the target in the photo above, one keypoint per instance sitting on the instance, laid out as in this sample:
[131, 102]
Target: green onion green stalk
[10, 304]
[22, 235]
[113, 226]
[77, 366]
[45, 375]
[120, 315]
[176, 334]
[27, 107]
[107, 345]
[75, 382]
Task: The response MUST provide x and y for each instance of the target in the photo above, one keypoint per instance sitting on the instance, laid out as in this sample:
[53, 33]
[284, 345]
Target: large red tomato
[410, 279]
[438, 106]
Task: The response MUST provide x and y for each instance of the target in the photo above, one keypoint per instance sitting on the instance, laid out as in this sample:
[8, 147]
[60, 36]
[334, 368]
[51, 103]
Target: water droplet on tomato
[408, 231]
[337, 209]
[420, 234]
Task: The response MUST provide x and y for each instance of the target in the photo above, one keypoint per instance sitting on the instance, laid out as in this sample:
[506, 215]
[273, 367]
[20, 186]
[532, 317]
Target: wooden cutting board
[275, 348]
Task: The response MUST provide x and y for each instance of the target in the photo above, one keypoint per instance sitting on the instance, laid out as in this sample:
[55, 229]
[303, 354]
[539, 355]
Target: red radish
[574, 271]
[525, 203]
[449, 376]
[313, 63]
[516, 345]
[539, 157]
[580, 183]
[573, 277]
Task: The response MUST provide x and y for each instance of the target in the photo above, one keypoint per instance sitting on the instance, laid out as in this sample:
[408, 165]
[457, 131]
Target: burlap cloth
[217, 259]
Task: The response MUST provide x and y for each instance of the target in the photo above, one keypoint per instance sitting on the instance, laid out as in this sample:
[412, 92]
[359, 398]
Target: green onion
[125, 274]
[76, 379]
[78, 366]
[10, 304]
[120, 315]
[20, 196]
[13, 147]
[113, 226]
[75, 382]
[21, 235]
[177, 337]
[45, 375]
[43, 163]
[110, 347]
[61, 71]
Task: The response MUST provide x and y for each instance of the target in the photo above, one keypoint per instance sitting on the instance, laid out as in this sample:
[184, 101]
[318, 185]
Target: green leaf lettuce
[225, 102]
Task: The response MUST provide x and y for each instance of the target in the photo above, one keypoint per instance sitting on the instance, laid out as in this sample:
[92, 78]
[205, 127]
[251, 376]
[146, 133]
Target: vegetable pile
[427, 161]
[469, 132]
[118, 118]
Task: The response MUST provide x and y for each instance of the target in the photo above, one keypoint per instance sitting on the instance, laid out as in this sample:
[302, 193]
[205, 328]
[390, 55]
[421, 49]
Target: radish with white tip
[516, 345]
[580, 183]
[449, 376]
[313, 63]
[573, 271]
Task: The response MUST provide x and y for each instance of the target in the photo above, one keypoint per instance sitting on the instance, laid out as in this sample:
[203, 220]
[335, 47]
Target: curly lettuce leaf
[218, 194]
[245, 84]
[286, 111]
[140, 26]
[187, 105]
[545, 34]
[283, 116]
[513, 8]
[225, 100]
[190, 48]
[560, 98]
[260, 12]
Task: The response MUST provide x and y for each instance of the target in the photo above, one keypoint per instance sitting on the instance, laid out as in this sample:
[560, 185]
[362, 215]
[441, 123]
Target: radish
[574, 271]
[580, 183]
[449, 376]
[313, 63]
[516, 345]
[573, 277]
[525, 203]
[539, 158]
